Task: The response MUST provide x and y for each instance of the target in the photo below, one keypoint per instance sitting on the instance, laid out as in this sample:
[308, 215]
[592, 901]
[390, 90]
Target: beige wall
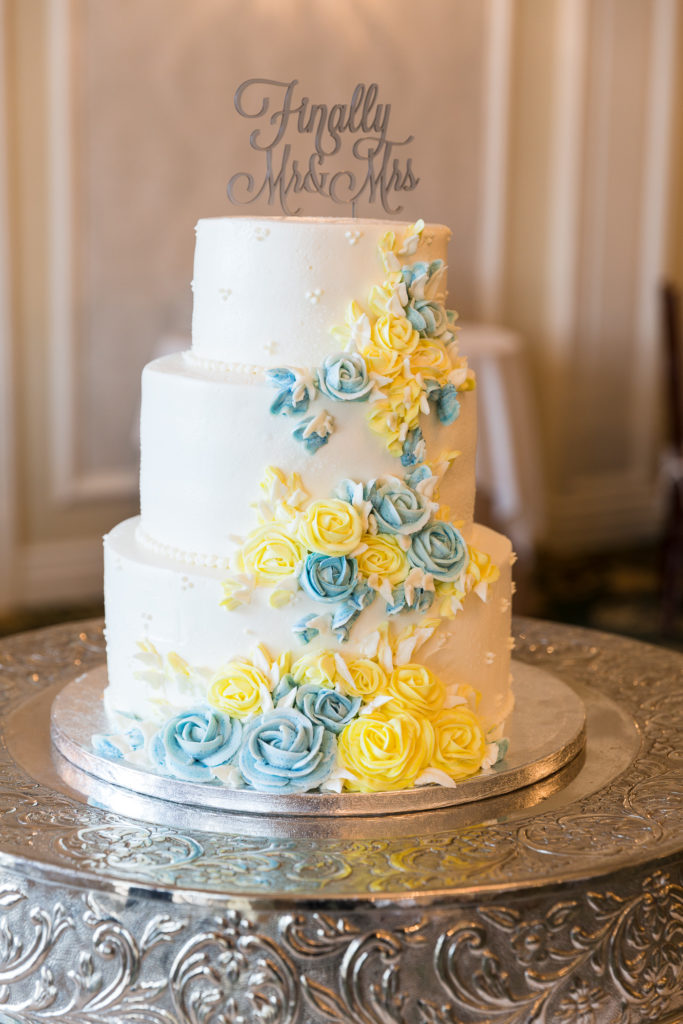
[548, 134]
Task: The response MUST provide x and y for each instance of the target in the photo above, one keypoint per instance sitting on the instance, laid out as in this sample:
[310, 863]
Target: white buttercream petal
[374, 704]
[434, 776]
[229, 775]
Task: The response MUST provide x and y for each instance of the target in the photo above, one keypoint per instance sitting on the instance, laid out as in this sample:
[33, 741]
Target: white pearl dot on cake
[513, 558]
[352, 236]
[313, 295]
[489, 658]
[260, 234]
[225, 293]
[270, 347]
[504, 604]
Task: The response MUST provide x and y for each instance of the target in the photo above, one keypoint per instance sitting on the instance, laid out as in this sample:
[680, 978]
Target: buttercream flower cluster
[286, 725]
[399, 355]
[380, 539]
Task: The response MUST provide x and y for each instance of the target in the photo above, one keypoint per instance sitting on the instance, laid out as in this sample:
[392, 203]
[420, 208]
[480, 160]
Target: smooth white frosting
[267, 290]
[207, 436]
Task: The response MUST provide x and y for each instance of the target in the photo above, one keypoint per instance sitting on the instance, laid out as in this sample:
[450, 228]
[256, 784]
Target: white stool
[508, 456]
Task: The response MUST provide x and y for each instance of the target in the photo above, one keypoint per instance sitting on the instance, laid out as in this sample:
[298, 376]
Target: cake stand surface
[560, 902]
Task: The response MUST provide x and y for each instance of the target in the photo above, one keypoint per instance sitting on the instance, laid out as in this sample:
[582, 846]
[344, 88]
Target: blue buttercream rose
[344, 377]
[440, 550]
[397, 508]
[284, 752]
[427, 317]
[328, 577]
[326, 707]
[190, 744]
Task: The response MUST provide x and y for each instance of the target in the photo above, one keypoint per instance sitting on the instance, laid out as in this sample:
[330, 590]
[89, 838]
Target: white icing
[207, 436]
[272, 283]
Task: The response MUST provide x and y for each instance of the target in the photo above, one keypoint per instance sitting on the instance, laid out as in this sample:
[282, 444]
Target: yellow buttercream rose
[368, 678]
[381, 361]
[330, 526]
[385, 752]
[415, 689]
[395, 334]
[236, 689]
[384, 557]
[460, 746]
[320, 668]
[270, 554]
[431, 359]
[392, 338]
[391, 333]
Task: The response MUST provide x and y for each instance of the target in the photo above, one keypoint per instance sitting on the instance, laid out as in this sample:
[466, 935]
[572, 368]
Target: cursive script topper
[380, 169]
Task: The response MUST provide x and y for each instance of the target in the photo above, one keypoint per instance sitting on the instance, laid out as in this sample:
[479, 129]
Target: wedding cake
[305, 603]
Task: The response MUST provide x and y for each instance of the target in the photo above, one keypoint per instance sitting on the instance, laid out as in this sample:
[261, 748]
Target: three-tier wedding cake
[305, 602]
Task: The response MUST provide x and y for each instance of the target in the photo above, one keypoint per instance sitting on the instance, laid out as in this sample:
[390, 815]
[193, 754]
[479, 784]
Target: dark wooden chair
[672, 547]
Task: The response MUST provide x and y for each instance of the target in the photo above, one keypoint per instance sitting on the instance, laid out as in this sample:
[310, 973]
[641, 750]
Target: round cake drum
[546, 731]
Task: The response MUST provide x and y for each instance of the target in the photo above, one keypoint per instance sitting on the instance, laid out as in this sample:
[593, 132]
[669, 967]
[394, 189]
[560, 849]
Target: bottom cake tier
[205, 692]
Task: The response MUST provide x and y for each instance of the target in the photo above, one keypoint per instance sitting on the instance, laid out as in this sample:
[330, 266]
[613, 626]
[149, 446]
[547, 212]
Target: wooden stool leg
[672, 562]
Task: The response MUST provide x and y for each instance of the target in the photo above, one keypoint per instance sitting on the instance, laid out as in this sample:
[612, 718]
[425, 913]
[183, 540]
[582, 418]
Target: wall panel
[544, 133]
[584, 291]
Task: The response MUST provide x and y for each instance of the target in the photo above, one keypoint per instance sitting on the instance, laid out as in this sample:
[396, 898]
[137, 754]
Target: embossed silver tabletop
[561, 902]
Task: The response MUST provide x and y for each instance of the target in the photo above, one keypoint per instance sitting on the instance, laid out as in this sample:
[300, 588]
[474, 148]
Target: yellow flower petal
[330, 526]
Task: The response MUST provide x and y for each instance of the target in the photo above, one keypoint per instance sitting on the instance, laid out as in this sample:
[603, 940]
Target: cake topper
[383, 169]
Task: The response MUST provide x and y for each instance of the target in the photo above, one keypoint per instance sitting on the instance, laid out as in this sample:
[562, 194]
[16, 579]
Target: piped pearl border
[198, 558]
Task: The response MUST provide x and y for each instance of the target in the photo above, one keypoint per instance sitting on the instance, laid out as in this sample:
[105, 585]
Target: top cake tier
[309, 270]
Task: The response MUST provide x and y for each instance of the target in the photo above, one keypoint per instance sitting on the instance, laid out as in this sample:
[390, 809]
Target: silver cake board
[546, 731]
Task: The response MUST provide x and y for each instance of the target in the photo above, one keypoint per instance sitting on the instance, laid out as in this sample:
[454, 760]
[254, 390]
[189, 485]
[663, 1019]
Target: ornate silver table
[561, 902]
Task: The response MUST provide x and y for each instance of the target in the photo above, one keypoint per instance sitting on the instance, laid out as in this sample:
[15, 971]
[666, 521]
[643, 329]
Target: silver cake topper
[384, 170]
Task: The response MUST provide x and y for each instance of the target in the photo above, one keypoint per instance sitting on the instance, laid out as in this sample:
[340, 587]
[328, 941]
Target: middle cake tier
[156, 608]
[207, 434]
